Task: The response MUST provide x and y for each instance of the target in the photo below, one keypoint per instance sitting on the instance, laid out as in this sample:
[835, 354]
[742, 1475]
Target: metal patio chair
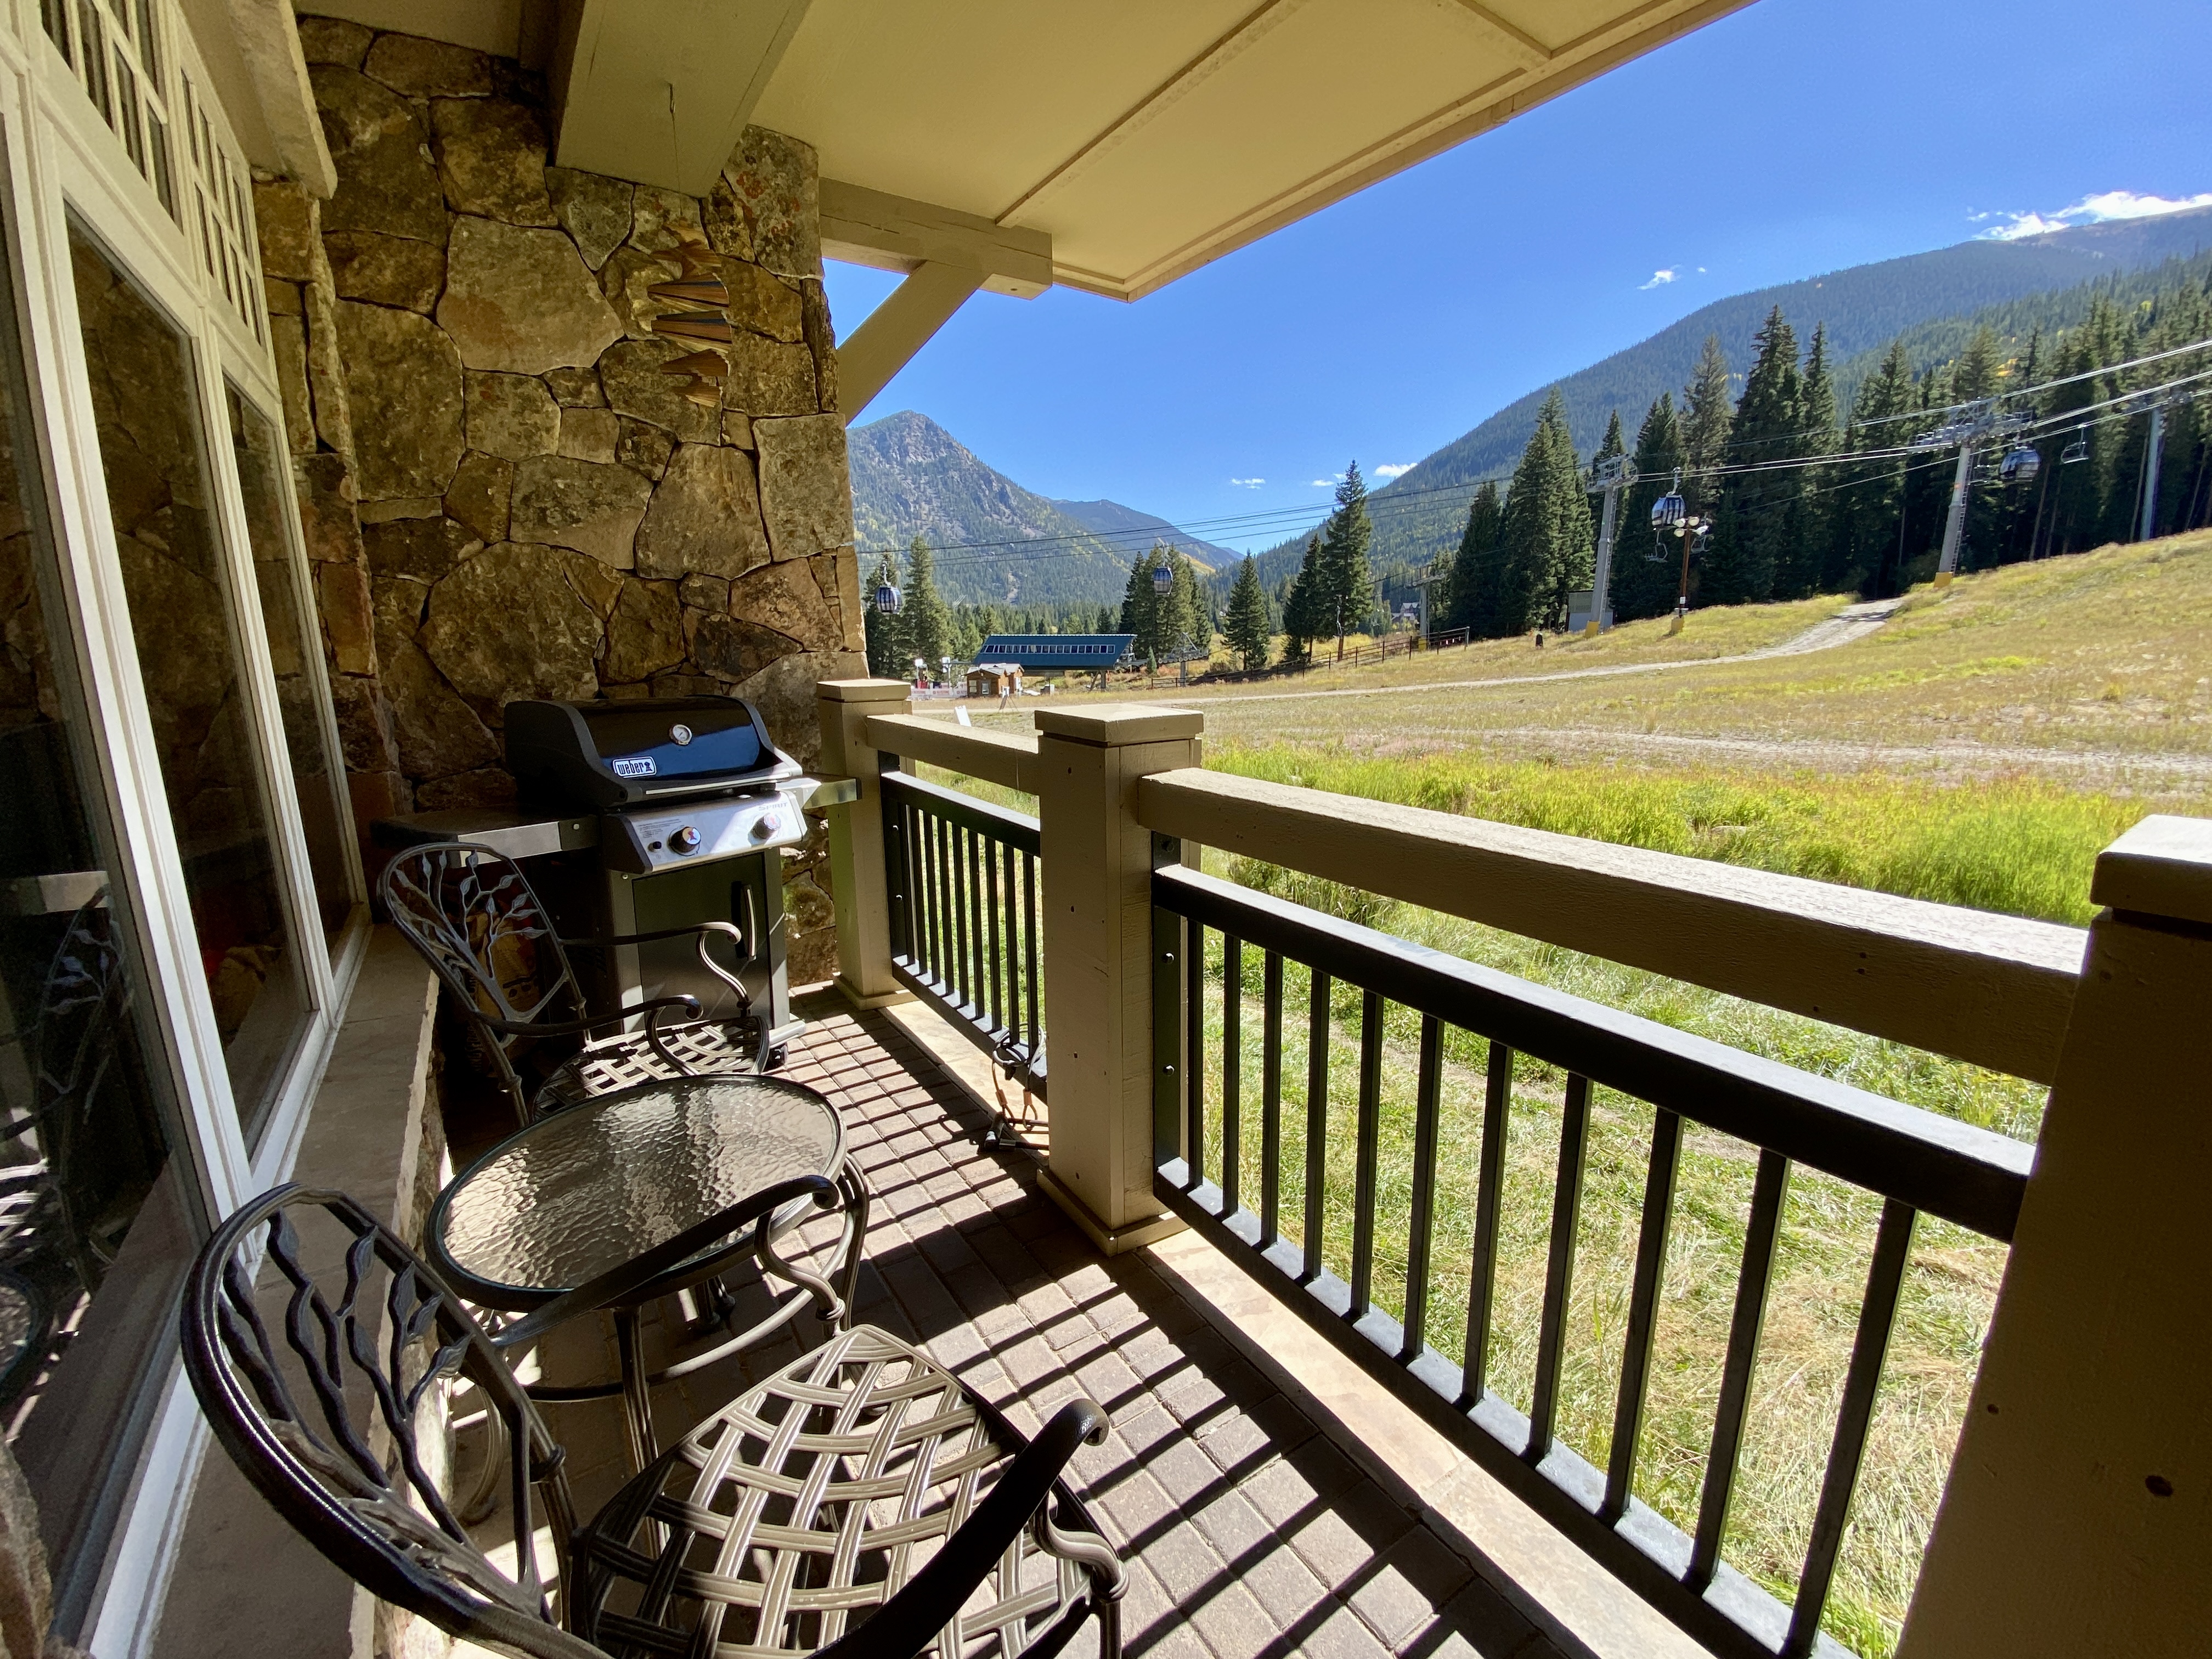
[858, 1502]
[473, 916]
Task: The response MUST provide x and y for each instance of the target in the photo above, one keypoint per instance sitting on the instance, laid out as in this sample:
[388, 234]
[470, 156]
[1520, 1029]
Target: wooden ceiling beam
[867, 227]
[658, 94]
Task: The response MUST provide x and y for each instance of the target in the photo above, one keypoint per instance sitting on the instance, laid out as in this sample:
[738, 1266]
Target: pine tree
[1756, 521]
[887, 658]
[1347, 584]
[926, 627]
[1143, 612]
[1472, 598]
[1979, 367]
[1546, 528]
[1306, 616]
[1865, 551]
[1645, 567]
[1705, 416]
[1805, 569]
[1245, 627]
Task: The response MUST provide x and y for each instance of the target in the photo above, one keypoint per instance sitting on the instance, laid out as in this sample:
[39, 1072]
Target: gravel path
[1852, 623]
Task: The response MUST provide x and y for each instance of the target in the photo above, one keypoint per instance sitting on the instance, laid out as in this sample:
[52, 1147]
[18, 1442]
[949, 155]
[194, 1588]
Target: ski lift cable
[1303, 517]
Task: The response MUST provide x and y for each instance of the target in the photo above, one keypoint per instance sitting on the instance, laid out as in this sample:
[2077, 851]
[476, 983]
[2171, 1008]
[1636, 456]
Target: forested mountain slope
[1934, 301]
[912, 477]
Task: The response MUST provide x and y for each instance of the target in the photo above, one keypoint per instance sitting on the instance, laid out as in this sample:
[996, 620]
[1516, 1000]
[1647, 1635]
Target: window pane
[262, 477]
[188, 655]
[95, 1227]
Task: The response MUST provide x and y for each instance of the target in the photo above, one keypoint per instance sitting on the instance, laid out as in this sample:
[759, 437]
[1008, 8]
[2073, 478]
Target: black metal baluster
[1643, 1310]
[994, 955]
[1760, 1233]
[987, 928]
[1892, 1244]
[926, 912]
[963, 909]
[1369, 1149]
[1559, 1270]
[1271, 1099]
[1011, 918]
[1029, 950]
[895, 874]
[1426, 1091]
[1194, 1047]
[1482, 1267]
[1316, 1122]
[1232, 1072]
[981, 894]
[940, 963]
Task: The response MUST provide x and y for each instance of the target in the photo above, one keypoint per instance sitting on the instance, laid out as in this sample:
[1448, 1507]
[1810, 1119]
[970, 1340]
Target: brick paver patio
[1248, 1535]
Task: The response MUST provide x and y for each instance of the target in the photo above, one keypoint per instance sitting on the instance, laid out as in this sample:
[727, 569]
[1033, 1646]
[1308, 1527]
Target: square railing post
[1099, 963]
[2076, 1522]
[859, 887]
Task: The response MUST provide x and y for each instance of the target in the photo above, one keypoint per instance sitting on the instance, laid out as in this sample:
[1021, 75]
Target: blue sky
[1793, 137]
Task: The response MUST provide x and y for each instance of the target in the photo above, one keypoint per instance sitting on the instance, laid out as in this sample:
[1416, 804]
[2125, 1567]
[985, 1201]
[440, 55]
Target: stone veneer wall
[503, 495]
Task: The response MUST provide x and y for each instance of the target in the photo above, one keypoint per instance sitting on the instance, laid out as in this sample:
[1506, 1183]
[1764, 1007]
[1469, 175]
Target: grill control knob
[765, 826]
[685, 840]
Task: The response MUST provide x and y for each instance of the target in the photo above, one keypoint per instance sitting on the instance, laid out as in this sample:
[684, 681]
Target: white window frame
[60, 161]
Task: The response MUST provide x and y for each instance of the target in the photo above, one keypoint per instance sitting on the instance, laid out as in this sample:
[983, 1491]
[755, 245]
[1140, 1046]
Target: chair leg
[637, 1393]
[856, 1200]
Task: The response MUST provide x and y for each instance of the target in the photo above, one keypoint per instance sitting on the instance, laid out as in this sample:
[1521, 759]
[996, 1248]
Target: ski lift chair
[859, 1503]
[2020, 465]
[472, 915]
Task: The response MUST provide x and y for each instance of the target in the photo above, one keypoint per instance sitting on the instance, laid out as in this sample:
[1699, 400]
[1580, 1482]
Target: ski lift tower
[1975, 424]
[1430, 577]
[1615, 476]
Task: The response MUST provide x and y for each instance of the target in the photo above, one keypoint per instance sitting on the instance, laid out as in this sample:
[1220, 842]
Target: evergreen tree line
[1872, 526]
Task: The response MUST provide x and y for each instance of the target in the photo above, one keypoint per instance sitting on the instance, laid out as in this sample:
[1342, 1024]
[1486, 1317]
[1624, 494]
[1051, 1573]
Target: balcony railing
[1166, 1110]
[1915, 1160]
[964, 885]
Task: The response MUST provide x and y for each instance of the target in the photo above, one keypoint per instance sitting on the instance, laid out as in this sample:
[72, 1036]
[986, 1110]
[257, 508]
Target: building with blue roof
[1036, 652]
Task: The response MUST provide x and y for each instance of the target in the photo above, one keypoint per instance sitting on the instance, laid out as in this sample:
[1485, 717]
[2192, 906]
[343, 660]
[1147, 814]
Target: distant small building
[995, 679]
[1045, 652]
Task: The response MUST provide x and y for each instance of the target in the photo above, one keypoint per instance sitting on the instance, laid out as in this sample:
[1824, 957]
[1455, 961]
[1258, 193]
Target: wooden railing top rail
[1989, 989]
[998, 757]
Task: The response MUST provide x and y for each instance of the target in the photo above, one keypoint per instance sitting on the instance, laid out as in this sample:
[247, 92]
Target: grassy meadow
[1979, 749]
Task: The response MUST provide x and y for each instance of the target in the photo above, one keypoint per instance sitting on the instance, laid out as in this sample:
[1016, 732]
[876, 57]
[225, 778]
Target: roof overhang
[1107, 145]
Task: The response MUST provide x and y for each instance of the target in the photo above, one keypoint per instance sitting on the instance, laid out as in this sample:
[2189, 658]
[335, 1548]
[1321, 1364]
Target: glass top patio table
[583, 1191]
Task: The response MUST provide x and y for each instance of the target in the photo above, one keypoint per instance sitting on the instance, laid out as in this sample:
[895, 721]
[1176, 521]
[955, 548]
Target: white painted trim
[126, 1607]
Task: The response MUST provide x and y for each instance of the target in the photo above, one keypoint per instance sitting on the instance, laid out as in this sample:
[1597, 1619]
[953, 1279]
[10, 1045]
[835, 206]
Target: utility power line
[1295, 519]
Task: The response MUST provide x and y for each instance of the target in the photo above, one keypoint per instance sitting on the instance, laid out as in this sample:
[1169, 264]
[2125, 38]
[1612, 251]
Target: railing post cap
[2161, 867]
[1116, 724]
[862, 691]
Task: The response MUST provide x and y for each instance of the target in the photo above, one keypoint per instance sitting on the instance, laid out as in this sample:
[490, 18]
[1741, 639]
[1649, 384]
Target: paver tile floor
[1246, 1531]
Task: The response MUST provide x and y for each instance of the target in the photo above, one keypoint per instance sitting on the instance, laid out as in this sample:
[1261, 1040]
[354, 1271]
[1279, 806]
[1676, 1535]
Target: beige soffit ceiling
[1146, 138]
[1112, 145]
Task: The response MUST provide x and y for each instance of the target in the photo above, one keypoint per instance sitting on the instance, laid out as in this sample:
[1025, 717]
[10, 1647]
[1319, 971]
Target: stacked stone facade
[502, 493]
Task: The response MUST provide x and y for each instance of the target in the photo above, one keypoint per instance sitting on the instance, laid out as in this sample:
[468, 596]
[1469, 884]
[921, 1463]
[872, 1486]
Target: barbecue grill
[640, 815]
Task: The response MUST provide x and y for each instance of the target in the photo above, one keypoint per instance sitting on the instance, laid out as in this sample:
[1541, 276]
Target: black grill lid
[619, 754]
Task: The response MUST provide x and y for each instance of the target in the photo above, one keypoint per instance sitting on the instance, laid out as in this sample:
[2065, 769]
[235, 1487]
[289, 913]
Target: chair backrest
[66, 1153]
[342, 1424]
[472, 914]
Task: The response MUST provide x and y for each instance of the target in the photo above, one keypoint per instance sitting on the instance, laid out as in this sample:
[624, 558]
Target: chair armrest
[578, 1027]
[618, 1283]
[911, 1619]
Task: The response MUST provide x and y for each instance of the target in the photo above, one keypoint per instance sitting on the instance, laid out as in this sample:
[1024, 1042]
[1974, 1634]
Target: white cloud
[1660, 278]
[2090, 210]
[1394, 469]
[1248, 483]
[1324, 484]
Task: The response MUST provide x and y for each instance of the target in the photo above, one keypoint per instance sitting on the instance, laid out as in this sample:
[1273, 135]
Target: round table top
[579, 1193]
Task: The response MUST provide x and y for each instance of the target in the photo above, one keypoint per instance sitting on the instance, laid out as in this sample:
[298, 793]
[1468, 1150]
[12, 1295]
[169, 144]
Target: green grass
[2022, 845]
